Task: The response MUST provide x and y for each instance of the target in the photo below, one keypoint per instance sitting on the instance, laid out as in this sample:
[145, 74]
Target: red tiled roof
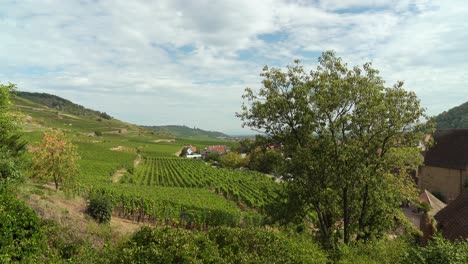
[453, 219]
[221, 149]
[193, 148]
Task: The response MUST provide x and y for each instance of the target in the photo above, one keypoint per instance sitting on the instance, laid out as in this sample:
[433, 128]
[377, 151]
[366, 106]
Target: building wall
[449, 182]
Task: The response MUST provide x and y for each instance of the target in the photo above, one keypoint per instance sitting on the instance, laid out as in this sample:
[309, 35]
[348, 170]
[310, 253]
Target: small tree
[55, 159]
[232, 160]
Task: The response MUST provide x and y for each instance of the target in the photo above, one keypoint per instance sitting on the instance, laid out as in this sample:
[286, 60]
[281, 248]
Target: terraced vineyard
[250, 188]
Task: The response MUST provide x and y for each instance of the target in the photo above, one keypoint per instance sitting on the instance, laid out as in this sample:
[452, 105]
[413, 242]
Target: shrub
[440, 251]
[218, 245]
[100, 207]
[98, 133]
[21, 238]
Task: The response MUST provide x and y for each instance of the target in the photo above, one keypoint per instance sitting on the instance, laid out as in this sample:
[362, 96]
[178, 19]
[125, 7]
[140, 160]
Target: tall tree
[55, 158]
[345, 133]
[11, 145]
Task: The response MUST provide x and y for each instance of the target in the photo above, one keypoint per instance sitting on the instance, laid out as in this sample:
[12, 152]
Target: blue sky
[188, 62]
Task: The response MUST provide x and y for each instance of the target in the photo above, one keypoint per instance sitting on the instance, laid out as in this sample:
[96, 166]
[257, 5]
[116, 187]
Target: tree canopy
[344, 134]
[11, 145]
[55, 158]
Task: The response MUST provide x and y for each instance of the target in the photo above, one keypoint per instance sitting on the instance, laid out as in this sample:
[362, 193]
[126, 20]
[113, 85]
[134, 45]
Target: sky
[188, 62]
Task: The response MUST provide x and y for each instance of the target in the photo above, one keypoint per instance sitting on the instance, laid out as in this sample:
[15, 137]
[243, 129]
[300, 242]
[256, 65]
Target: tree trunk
[346, 215]
[56, 183]
[365, 198]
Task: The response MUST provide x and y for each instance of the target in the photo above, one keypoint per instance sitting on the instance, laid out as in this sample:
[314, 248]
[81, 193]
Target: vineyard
[250, 188]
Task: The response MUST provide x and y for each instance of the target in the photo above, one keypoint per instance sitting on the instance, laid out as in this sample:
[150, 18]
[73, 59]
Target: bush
[21, 237]
[98, 133]
[100, 207]
[218, 245]
[167, 245]
[440, 251]
[376, 251]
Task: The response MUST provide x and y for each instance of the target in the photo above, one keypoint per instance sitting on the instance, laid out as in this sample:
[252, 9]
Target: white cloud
[166, 56]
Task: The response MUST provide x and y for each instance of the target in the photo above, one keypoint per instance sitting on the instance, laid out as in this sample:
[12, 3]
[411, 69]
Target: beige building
[446, 164]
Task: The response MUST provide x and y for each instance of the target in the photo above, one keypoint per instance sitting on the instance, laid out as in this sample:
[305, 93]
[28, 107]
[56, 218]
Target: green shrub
[21, 238]
[218, 245]
[100, 207]
[440, 251]
[377, 251]
[167, 245]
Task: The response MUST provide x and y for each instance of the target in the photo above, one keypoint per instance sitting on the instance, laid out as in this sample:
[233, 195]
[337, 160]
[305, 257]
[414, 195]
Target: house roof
[450, 149]
[436, 204]
[453, 219]
[193, 148]
[218, 148]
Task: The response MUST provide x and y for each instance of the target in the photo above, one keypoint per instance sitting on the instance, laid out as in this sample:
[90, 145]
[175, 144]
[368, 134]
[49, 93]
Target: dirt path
[71, 212]
[118, 174]
[164, 140]
[137, 161]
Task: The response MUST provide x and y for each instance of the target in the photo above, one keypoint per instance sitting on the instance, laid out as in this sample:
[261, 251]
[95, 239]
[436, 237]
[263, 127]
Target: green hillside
[456, 117]
[187, 132]
[131, 163]
[58, 103]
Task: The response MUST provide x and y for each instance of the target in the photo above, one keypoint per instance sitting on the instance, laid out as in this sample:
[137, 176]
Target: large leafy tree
[55, 158]
[352, 143]
[11, 146]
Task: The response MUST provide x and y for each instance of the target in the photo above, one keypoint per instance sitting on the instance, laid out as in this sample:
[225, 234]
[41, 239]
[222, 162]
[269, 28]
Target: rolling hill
[58, 103]
[46, 110]
[187, 132]
[456, 117]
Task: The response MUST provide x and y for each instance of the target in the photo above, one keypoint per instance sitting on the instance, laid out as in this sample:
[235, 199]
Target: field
[250, 188]
[147, 182]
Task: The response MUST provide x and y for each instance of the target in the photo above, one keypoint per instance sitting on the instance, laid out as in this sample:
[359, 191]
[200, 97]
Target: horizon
[177, 62]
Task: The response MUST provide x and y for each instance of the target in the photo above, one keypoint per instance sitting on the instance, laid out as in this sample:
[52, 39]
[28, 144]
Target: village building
[453, 219]
[220, 149]
[445, 164]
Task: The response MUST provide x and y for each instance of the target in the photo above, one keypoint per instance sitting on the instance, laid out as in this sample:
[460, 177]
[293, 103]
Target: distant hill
[187, 132]
[55, 102]
[456, 117]
[42, 111]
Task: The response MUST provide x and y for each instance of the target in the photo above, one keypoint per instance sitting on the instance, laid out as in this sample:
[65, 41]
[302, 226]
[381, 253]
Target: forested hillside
[456, 117]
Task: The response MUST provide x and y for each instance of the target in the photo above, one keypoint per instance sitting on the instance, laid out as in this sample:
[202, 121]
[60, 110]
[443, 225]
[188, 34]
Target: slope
[456, 117]
[187, 132]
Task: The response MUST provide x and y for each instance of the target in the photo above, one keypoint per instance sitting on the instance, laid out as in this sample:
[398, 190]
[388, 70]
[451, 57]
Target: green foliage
[167, 245]
[456, 117]
[98, 133]
[219, 245]
[232, 160]
[21, 238]
[343, 132]
[100, 207]
[251, 188]
[440, 251]
[257, 245]
[213, 156]
[268, 161]
[383, 251]
[55, 158]
[11, 145]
